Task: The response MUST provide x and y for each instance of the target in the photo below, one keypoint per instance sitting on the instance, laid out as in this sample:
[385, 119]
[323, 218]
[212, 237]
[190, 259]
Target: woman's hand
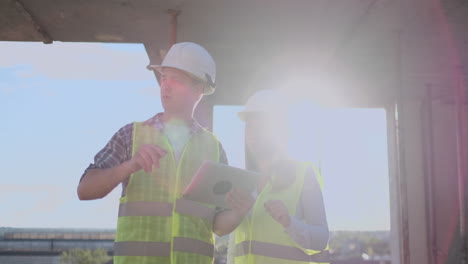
[278, 211]
[240, 202]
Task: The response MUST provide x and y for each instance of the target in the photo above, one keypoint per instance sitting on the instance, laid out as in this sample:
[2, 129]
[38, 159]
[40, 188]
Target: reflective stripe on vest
[185, 244]
[183, 206]
[279, 251]
[162, 249]
[141, 248]
[188, 207]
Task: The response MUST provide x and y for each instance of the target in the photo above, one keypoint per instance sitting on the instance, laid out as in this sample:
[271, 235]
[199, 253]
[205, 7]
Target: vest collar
[158, 123]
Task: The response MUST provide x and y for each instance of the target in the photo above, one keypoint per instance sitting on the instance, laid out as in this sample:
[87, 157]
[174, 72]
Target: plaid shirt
[119, 148]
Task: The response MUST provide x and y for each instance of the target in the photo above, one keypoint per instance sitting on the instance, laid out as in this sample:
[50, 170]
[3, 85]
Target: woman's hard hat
[267, 101]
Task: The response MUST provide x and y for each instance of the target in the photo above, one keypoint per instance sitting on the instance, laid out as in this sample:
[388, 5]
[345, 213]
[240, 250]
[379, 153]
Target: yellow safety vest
[155, 224]
[262, 240]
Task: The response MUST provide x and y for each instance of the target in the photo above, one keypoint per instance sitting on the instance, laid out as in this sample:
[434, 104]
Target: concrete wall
[414, 174]
[430, 171]
[444, 169]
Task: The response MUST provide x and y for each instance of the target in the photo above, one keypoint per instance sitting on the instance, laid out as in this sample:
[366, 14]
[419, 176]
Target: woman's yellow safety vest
[155, 224]
[262, 240]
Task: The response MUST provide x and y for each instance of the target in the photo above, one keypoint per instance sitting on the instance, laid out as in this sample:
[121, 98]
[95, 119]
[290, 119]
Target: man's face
[178, 90]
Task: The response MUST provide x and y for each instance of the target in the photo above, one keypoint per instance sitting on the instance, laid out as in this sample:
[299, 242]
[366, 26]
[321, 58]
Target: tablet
[213, 180]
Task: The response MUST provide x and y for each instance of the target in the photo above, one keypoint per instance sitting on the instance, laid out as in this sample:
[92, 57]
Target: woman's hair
[250, 163]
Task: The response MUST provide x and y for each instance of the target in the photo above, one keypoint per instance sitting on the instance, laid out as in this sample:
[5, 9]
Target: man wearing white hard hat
[284, 220]
[154, 160]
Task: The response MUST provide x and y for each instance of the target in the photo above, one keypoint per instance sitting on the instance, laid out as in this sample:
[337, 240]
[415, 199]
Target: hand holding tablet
[213, 180]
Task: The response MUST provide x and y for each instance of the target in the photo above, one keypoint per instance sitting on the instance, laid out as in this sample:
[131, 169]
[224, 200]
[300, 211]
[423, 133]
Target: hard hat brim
[152, 67]
[244, 114]
[207, 89]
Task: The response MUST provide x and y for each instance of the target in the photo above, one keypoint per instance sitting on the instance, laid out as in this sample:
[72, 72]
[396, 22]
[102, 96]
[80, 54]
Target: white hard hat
[191, 58]
[271, 102]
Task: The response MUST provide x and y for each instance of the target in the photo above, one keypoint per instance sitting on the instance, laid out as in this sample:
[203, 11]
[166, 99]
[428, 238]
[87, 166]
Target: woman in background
[284, 220]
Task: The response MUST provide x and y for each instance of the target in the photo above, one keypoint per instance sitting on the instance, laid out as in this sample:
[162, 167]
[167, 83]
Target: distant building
[44, 246]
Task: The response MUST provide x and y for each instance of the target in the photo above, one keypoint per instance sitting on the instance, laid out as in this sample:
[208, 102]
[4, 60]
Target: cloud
[29, 199]
[49, 92]
[85, 61]
[51, 205]
[7, 89]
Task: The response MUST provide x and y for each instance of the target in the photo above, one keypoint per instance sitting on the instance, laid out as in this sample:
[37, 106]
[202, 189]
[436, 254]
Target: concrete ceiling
[341, 52]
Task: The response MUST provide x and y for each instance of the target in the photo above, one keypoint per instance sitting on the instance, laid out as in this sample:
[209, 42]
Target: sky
[61, 103]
